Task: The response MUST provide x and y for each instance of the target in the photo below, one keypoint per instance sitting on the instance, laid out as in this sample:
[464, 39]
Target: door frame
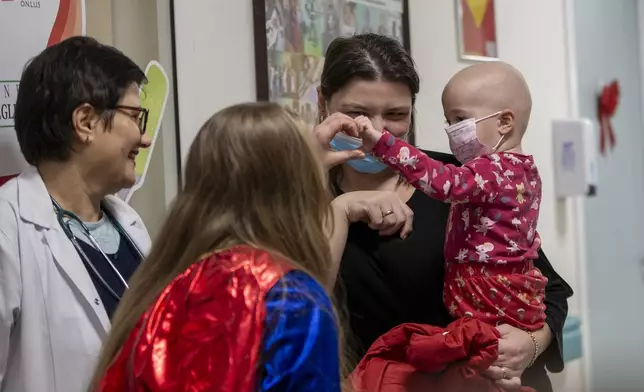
[578, 202]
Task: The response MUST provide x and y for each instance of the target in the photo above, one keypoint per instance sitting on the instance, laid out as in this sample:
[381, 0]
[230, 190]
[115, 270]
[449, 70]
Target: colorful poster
[298, 33]
[477, 29]
[154, 96]
[26, 28]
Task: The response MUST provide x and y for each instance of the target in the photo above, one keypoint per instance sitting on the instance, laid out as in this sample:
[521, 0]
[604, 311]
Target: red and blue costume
[239, 320]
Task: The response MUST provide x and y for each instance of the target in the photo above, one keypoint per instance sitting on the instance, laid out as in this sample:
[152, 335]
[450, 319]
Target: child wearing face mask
[491, 239]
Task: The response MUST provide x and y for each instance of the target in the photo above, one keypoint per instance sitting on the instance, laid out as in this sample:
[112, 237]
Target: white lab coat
[52, 321]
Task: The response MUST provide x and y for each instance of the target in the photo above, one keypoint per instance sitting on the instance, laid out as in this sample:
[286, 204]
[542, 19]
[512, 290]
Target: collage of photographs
[298, 33]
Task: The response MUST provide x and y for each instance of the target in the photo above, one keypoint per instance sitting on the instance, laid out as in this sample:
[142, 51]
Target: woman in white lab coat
[67, 247]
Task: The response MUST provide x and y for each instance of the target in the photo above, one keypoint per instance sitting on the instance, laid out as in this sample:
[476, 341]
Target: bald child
[491, 240]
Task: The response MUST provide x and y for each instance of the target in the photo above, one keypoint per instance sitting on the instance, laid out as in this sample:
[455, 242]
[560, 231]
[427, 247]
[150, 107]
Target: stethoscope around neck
[61, 214]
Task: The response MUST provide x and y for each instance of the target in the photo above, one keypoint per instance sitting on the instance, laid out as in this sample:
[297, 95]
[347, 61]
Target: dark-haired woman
[67, 247]
[388, 280]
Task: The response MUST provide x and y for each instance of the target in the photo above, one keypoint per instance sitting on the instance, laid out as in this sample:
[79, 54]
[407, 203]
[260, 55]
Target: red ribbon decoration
[606, 106]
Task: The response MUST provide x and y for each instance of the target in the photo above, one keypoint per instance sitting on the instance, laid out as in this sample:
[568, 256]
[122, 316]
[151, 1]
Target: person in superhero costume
[233, 296]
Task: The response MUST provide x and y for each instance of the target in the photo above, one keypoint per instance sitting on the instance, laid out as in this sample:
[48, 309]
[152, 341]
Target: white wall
[617, 286]
[215, 60]
[215, 68]
[98, 14]
[141, 30]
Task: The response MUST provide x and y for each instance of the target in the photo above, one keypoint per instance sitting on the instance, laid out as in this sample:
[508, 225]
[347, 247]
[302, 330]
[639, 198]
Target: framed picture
[291, 37]
[476, 30]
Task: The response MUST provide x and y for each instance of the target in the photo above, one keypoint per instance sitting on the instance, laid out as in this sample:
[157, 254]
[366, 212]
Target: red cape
[204, 332]
[415, 358]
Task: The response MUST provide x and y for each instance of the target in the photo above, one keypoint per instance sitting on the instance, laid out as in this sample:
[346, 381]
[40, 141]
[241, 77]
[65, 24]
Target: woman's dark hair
[76, 71]
[367, 57]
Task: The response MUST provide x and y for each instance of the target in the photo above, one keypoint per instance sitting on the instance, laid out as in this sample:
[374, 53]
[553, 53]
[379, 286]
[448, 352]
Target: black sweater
[386, 281]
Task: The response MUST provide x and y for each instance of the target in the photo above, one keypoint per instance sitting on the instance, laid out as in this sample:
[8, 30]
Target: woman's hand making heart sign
[326, 131]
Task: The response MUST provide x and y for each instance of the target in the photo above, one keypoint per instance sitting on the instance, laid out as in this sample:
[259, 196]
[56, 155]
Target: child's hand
[367, 133]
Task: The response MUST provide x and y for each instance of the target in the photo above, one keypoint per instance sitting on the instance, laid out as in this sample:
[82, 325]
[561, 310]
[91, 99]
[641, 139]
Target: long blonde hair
[252, 177]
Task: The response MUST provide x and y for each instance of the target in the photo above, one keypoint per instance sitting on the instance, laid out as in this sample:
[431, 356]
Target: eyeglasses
[141, 116]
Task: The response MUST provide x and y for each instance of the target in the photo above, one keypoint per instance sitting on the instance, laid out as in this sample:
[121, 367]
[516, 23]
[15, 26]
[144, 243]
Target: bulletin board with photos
[291, 37]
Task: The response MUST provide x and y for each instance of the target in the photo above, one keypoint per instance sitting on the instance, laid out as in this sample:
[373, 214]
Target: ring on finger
[505, 374]
[387, 213]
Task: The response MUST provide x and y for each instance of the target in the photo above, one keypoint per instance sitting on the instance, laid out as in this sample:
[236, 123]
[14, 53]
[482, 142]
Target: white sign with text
[26, 28]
